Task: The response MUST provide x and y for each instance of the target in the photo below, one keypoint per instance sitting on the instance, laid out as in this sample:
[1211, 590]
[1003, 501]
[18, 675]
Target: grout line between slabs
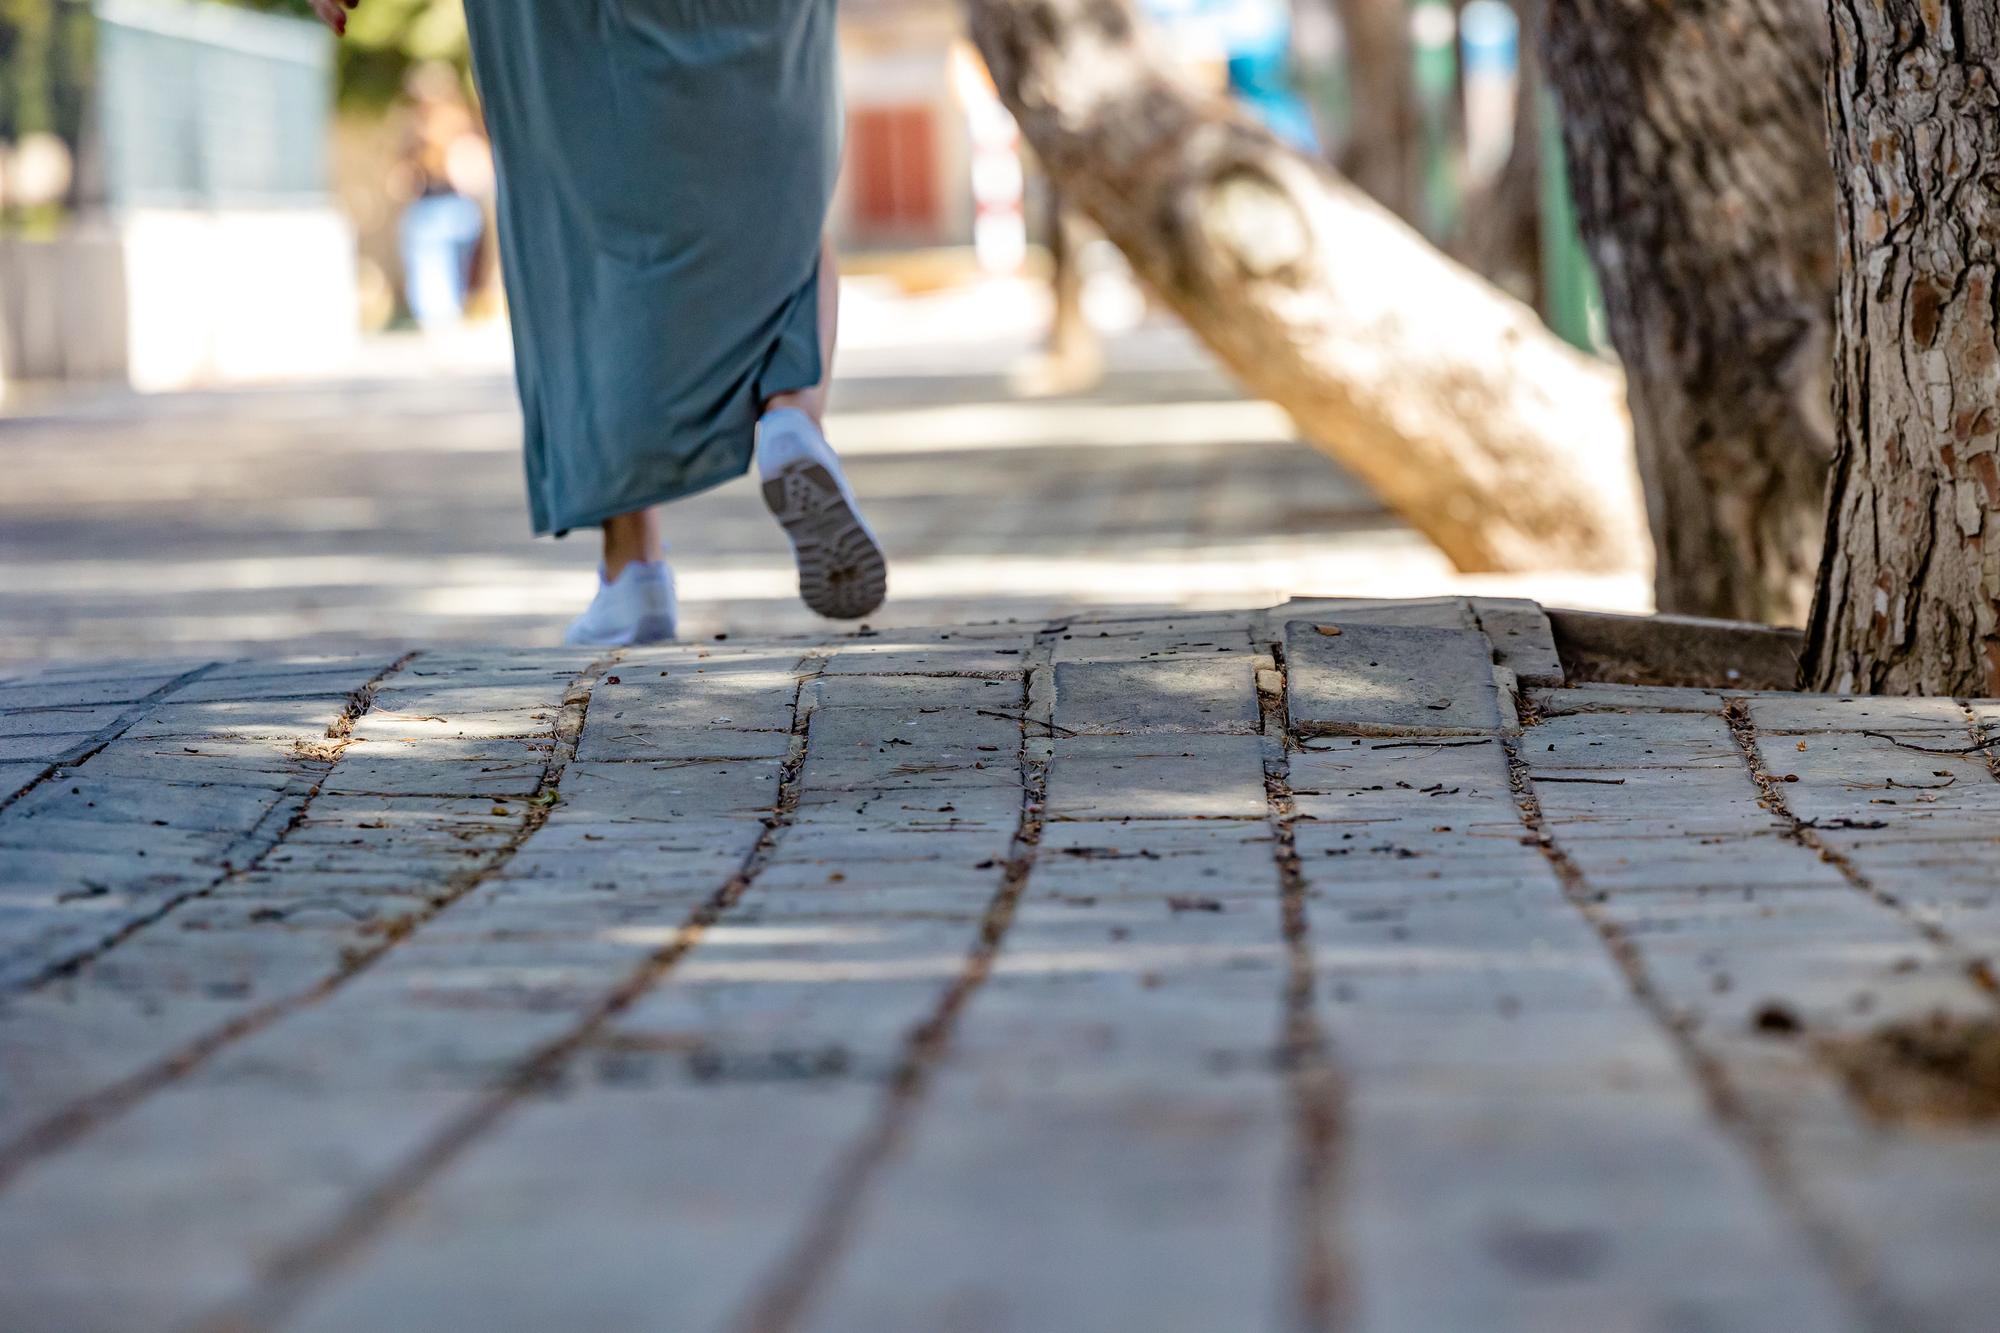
[295, 1270]
[1320, 1298]
[134, 713]
[1771, 796]
[1987, 745]
[1761, 1142]
[340, 732]
[72, 1122]
[784, 1296]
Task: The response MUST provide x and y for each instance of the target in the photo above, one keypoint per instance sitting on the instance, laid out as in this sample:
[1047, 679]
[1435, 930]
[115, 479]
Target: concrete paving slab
[1522, 640]
[1156, 776]
[1205, 693]
[39, 751]
[1375, 680]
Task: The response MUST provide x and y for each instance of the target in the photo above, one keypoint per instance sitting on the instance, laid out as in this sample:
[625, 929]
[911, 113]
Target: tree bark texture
[1696, 138]
[1909, 597]
[1502, 444]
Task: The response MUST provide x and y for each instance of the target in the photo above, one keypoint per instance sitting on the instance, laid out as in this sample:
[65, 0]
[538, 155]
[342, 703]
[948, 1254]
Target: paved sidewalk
[1340, 966]
[386, 513]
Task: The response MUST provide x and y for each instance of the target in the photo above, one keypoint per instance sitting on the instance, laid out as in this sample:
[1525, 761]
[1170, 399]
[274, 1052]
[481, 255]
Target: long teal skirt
[665, 168]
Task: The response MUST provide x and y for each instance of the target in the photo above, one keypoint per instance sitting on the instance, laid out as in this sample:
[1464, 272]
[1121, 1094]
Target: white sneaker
[636, 607]
[842, 571]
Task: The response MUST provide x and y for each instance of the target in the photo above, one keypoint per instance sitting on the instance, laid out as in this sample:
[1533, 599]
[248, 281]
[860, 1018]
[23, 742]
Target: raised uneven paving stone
[510, 767]
[89, 686]
[302, 719]
[252, 681]
[1418, 613]
[1986, 720]
[1521, 637]
[1084, 865]
[934, 737]
[224, 760]
[156, 670]
[625, 795]
[1374, 680]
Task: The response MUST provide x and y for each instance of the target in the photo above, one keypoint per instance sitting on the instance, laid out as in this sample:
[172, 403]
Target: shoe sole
[843, 574]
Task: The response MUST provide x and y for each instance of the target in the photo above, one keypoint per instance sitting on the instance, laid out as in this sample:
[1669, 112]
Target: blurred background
[256, 365]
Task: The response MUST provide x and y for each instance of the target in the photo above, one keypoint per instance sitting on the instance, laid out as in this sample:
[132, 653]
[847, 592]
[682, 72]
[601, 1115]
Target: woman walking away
[665, 168]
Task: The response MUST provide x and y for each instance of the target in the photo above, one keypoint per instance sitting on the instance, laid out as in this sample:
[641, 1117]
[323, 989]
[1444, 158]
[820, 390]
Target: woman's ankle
[812, 402]
[631, 539]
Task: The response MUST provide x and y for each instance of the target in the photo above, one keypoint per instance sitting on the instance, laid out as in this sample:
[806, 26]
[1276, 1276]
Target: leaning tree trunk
[1503, 445]
[1696, 136]
[1909, 597]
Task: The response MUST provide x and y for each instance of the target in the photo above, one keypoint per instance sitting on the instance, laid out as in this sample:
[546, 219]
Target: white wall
[224, 297]
[170, 299]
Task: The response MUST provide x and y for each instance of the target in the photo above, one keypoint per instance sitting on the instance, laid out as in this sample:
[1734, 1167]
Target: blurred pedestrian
[442, 223]
[664, 171]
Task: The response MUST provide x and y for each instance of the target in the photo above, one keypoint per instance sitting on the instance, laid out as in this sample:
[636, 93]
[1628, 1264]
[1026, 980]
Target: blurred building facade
[213, 220]
[934, 160]
[907, 178]
[201, 243]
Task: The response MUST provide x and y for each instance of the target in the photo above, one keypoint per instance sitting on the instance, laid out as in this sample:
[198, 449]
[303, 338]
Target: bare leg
[812, 401]
[629, 538]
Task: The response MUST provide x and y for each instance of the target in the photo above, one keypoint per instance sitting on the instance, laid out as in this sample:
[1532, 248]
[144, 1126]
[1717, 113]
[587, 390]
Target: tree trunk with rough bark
[1506, 447]
[1696, 138]
[1909, 597]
